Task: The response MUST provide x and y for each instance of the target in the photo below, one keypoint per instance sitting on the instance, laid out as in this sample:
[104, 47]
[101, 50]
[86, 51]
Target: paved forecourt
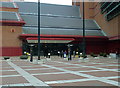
[59, 72]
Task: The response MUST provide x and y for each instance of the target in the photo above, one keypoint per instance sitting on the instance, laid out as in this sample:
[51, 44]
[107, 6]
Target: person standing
[45, 52]
[65, 54]
[74, 54]
[69, 54]
[117, 54]
[62, 54]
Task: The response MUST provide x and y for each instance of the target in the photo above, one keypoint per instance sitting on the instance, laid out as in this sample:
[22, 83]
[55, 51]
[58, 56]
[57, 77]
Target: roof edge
[12, 23]
[65, 36]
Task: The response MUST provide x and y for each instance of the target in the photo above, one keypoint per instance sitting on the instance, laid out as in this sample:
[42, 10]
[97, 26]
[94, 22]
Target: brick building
[107, 16]
[60, 25]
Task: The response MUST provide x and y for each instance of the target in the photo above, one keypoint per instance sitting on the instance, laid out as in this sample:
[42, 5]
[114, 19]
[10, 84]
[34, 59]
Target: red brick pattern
[107, 69]
[53, 77]
[13, 80]
[102, 73]
[86, 83]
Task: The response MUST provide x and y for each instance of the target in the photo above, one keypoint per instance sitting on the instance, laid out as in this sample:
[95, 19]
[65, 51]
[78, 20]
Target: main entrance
[52, 48]
[45, 47]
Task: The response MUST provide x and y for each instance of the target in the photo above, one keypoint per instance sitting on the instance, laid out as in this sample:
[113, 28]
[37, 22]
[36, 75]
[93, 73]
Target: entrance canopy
[50, 40]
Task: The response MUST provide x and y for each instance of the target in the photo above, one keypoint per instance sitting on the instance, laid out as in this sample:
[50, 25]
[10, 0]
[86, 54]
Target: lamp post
[31, 52]
[38, 29]
[83, 41]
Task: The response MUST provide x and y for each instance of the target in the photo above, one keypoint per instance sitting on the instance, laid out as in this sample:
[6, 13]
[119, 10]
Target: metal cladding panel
[55, 20]
[9, 16]
[30, 20]
[27, 7]
[58, 31]
[62, 10]
[49, 21]
[66, 22]
[7, 4]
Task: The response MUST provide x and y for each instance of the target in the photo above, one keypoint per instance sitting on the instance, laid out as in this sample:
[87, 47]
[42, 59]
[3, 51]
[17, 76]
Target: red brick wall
[96, 47]
[10, 51]
[114, 46]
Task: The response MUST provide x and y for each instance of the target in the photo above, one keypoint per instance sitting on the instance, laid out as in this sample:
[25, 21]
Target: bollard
[48, 55]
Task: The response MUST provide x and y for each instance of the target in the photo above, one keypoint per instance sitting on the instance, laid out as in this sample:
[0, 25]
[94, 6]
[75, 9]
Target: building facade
[107, 16]
[10, 29]
[60, 25]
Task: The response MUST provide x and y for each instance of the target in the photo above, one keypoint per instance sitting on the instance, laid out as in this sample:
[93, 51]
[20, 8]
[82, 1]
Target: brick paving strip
[78, 80]
[50, 73]
[116, 70]
[79, 74]
[33, 80]
[54, 73]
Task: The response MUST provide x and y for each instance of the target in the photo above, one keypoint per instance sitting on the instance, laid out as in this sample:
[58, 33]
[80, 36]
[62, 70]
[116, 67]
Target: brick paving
[9, 73]
[59, 72]
[52, 77]
[86, 83]
[102, 73]
[13, 80]
[81, 68]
